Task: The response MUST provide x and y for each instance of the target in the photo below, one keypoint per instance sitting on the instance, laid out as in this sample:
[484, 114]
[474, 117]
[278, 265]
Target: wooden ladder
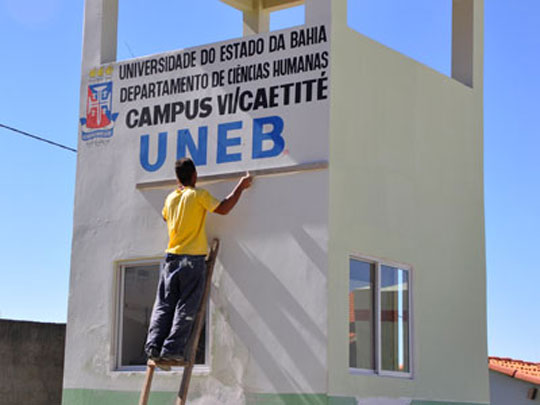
[193, 339]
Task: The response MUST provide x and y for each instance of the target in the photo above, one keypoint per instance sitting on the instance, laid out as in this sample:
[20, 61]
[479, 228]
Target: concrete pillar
[99, 33]
[318, 11]
[256, 20]
[462, 41]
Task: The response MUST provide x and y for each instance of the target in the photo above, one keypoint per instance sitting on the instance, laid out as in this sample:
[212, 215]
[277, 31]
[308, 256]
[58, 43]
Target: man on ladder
[182, 278]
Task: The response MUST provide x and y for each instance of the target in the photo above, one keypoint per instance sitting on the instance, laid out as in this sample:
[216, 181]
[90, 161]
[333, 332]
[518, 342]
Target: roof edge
[514, 372]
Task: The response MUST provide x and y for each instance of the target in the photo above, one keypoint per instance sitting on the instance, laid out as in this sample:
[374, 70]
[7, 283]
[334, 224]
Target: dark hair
[184, 169]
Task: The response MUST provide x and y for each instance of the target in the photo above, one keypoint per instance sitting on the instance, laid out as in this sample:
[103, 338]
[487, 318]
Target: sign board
[254, 103]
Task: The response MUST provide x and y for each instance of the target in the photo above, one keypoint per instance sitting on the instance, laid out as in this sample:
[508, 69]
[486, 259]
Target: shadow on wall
[32, 356]
[273, 288]
[270, 283]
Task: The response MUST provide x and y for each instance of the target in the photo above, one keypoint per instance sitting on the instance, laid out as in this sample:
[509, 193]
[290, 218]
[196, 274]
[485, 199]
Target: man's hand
[245, 182]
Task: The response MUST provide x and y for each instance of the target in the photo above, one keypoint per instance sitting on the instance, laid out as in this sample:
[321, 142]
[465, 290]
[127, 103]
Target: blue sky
[39, 87]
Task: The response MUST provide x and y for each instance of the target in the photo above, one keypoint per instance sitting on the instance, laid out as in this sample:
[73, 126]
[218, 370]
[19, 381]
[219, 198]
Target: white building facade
[355, 265]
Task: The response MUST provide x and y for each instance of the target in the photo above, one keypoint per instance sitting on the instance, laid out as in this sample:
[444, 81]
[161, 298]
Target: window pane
[361, 330]
[394, 319]
[140, 285]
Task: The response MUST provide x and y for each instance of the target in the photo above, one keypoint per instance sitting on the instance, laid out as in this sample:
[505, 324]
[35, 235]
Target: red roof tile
[522, 370]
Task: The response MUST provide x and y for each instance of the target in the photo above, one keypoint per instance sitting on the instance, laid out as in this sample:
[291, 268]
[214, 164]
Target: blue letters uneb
[269, 129]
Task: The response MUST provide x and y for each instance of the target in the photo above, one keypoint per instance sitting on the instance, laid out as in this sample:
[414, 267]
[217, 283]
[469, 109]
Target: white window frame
[378, 262]
[120, 266]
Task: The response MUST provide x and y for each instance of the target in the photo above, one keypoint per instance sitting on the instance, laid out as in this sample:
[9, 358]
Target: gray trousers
[179, 293]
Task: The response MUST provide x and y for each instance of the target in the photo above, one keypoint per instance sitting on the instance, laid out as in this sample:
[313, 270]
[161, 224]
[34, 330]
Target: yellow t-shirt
[185, 213]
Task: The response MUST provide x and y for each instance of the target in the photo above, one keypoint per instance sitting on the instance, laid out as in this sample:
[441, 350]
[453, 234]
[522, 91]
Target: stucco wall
[406, 184]
[268, 301]
[32, 357]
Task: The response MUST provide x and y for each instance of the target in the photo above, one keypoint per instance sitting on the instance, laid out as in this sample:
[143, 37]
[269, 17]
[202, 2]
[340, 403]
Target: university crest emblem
[99, 120]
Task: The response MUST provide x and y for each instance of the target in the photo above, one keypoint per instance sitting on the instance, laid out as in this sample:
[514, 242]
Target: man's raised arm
[230, 201]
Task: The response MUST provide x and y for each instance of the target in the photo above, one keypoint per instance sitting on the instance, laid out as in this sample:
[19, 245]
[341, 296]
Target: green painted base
[102, 397]
[418, 402]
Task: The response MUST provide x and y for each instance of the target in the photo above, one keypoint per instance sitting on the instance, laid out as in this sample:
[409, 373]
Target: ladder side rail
[197, 328]
[145, 394]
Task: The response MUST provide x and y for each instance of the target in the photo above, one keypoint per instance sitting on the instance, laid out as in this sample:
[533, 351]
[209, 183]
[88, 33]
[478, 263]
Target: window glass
[361, 328]
[139, 291]
[394, 319]
[140, 283]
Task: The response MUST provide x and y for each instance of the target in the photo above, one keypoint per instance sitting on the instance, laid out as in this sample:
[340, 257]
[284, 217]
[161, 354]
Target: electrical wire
[38, 138]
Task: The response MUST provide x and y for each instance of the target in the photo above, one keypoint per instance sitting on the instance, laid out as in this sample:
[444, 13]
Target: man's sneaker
[174, 359]
[159, 364]
[155, 359]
